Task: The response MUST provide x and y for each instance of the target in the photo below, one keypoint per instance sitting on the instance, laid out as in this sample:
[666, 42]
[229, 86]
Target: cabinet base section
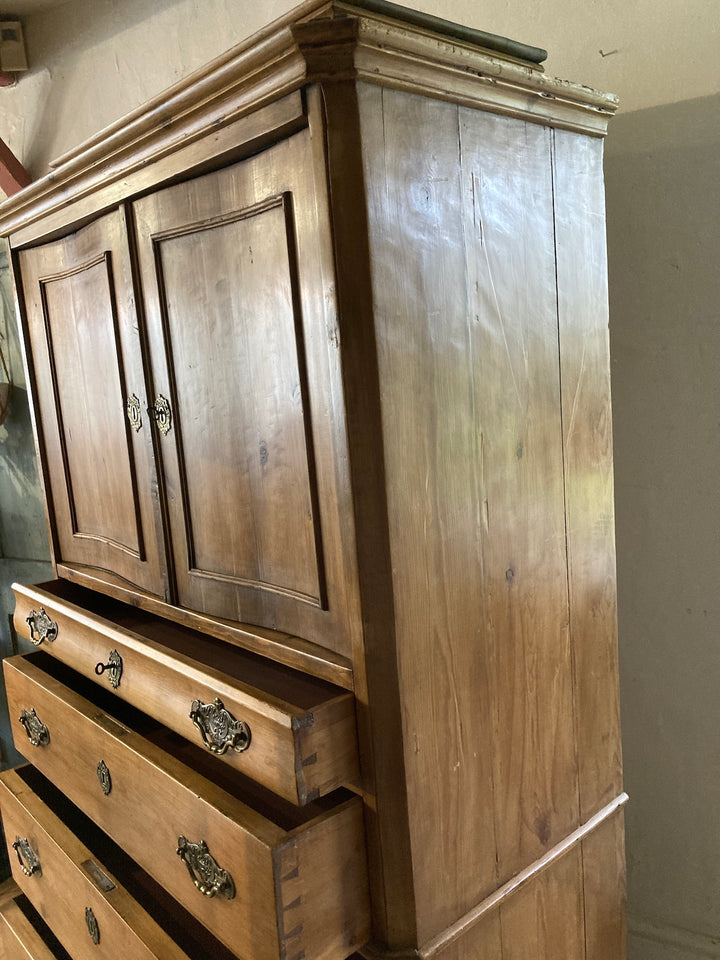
[570, 902]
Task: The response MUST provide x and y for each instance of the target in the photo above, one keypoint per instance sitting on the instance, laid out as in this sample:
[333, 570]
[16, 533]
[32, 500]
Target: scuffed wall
[663, 203]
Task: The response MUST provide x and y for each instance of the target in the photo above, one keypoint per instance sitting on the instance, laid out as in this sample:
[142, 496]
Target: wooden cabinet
[319, 361]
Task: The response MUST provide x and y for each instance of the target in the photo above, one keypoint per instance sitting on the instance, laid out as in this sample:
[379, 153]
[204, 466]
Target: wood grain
[249, 461]
[375, 667]
[285, 648]
[587, 435]
[465, 313]
[63, 889]
[279, 60]
[148, 781]
[603, 854]
[303, 731]
[86, 349]
[19, 940]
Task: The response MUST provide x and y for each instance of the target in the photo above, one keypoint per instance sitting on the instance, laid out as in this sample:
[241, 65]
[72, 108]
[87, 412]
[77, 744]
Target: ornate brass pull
[209, 878]
[114, 668]
[219, 728]
[29, 862]
[134, 412]
[161, 414]
[37, 733]
[41, 627]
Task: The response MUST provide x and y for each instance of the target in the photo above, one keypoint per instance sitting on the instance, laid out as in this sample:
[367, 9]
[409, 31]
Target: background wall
[94, 60]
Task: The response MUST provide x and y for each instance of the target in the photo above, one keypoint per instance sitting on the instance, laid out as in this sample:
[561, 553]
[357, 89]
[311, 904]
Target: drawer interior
[197, 942]
[42, 929]
[284, 814]
[274, 679]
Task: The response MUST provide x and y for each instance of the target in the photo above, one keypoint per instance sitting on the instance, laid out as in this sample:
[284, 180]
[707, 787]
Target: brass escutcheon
[114, 668]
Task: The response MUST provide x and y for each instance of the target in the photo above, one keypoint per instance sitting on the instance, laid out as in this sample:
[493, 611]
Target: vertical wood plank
[430, 448]
[462, 254]
[545, 920]
[377, 691]
[481, 941]
[587, 434]
[513, 322]
[604, 879]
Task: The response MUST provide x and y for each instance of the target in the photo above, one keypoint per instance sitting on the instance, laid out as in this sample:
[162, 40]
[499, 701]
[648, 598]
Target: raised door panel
[238, 300]
[86, 352]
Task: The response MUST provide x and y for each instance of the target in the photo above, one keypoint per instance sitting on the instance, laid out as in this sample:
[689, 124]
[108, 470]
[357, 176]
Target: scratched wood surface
[465, 313]
[587, 430]
[302, 731]
[240, 329]
[86, 351]
[156, 797]
[63, 888]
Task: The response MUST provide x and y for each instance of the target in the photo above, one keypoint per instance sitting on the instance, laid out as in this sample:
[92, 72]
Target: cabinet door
[237, 307]
[90, 388]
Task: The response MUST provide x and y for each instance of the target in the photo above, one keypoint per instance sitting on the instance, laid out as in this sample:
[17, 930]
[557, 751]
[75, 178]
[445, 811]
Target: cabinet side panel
[462, 254]
[545, 919]
[587, 435]
[603, 854]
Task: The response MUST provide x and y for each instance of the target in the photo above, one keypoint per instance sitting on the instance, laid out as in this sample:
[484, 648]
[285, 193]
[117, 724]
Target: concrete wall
[93, 60]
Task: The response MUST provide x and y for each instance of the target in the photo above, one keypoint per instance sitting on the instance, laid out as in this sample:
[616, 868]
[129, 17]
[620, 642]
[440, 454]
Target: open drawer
[291, 732]
[269, 879]
[23, 933]
[85, 897]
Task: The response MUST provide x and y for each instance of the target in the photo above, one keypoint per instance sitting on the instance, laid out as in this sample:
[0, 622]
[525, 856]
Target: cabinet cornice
[317, 42]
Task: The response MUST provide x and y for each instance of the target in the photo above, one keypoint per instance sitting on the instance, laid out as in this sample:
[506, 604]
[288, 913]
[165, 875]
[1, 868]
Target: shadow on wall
[663, 201]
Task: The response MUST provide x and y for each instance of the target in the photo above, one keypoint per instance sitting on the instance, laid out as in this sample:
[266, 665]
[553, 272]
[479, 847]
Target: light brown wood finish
[156, 798]
[249, 457]
[603, 856]
[65, 887]
[447, 465]
[482, 640]
[83, 330]
[375, 663]
[131, 154]
[19, 940]
[286, 648]
[303, 730]
[587, 432]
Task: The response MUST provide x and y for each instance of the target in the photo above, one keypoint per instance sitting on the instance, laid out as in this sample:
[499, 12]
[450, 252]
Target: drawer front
[294, 734]
[275, 888]
[87, 909]
[19, 937]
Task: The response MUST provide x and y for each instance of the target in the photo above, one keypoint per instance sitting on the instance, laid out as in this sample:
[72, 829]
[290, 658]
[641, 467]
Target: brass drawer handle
[37, 733]
[29, 863]
[210, 879]
[41, 627]
[114, 668]
[219, 728]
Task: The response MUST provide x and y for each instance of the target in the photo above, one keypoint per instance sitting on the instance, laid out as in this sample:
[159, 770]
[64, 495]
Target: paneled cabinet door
[245, 363]
[86, 351]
